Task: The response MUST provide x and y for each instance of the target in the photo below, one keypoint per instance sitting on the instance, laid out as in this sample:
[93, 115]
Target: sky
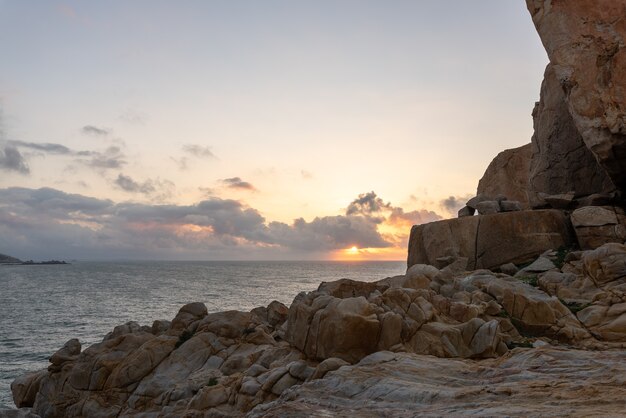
[276, 129]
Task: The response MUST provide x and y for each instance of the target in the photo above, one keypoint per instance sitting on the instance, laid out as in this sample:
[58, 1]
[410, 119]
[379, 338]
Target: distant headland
[7, 259]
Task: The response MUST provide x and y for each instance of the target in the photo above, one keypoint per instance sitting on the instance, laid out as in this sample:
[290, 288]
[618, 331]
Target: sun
[353, 250]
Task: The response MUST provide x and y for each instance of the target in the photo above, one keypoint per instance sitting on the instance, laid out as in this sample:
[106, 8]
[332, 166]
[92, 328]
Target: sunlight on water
[43, 306]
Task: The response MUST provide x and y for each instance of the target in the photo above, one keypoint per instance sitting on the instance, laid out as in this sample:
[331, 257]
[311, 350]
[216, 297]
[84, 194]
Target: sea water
[43, 306]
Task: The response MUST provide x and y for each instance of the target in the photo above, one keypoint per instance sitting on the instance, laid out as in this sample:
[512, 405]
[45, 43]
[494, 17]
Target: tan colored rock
[507, 175]
[605, 264]
[24, 389]
[585, 43]
[598, 225]
[560, 161]
[491, 240]
[538, 382]
[534, 312]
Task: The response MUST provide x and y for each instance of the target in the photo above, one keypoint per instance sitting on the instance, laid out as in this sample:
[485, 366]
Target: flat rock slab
[489, 241]
[537, 382]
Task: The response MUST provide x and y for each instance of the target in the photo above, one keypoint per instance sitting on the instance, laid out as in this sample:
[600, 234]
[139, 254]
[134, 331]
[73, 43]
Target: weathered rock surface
[597, 225]
[560, 161]
[537, 382]
[585, 42]
[227, 363]
[491, 240]
[507, 175]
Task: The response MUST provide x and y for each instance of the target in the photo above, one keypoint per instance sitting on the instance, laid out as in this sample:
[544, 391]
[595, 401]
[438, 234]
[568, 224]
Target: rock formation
[516, 339]
[585, 43]
[560, 161]
[488, 241]
[233, 363]
[507, 175]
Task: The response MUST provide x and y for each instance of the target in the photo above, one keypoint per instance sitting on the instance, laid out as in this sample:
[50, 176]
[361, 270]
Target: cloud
[328, 233]
[157, 189]
[12, 160]
[452, 204]
[111, 158]
[95, 131]
[43, 147]
[182, 163]
[128, 184]
[367, 204]
[48, 223]
[198, 151]
[238, 183]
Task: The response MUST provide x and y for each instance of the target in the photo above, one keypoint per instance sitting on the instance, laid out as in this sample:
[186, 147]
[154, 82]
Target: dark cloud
[43, 147]
[198, 151]
[452, 204]
[12, 160]
[328, 233]
[95, 131]
[37, 221]
[238, 183]
[110, 158]
[367, 204]
[128, 184]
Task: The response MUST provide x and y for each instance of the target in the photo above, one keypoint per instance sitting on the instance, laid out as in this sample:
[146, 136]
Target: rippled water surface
[41, 307]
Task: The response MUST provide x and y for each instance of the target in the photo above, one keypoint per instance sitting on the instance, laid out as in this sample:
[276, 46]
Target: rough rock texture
[597, 225]
[227, 363]
[560, 161]
[507, 175]
[491, 240]
[538, 382]
[584, 40]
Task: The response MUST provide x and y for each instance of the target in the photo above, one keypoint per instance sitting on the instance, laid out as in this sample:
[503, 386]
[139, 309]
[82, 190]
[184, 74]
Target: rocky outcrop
[489, 241]
[546, 381]
[507, 175]
[585, 41]
[560, 161]
[228, 363]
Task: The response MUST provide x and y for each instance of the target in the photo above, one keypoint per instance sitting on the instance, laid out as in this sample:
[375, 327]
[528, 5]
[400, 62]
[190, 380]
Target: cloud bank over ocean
[46, 222]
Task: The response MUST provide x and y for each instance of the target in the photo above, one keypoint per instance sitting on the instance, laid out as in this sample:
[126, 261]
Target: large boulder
[489, 241]
[598, 225]
[560, 161]
[507, 175]
[585, 41]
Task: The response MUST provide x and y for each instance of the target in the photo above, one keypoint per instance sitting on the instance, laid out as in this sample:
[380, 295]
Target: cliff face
[585, 43]
[560, 161]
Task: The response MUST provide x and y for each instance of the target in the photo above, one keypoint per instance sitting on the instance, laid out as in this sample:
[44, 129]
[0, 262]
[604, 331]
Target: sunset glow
[225, 130]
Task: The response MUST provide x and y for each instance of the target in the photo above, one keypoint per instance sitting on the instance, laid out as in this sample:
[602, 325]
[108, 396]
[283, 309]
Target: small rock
[284, 383]
[476, 200]
[559, 201]
[466, 211]
[510, 206]
[593, 216]
[596, 199]
[326, 366]
[509, 268]
[539, 266]
[540, 343]
[488, 207]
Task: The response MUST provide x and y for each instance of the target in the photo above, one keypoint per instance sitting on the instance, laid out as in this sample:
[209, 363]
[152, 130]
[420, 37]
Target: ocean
[43, 306]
